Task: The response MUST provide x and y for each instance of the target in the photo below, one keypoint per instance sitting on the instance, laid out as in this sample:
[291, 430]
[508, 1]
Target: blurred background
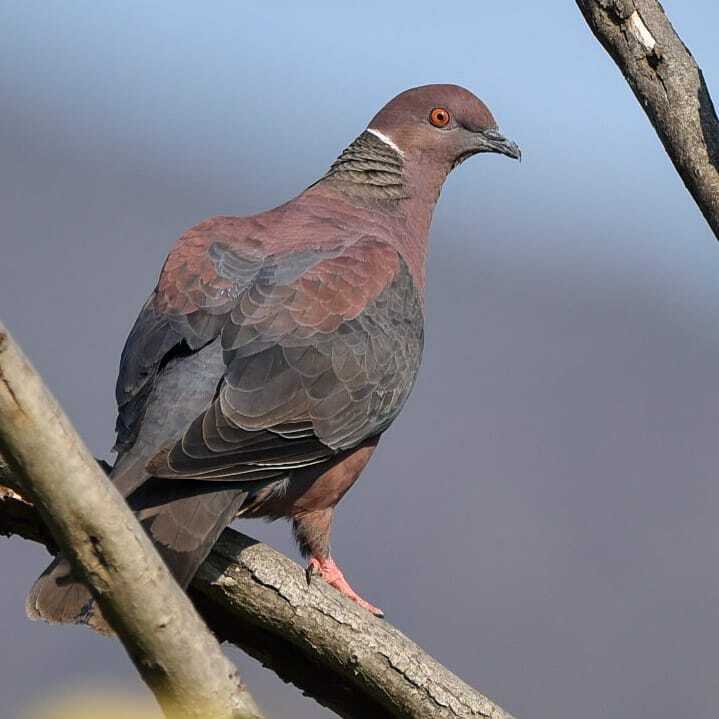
[543, 516]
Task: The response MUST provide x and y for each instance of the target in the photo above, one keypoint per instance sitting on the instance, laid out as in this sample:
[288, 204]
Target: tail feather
[59, 598]
[183, 518]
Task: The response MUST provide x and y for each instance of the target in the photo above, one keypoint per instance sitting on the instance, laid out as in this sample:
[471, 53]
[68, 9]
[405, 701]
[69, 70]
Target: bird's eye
[439, 117]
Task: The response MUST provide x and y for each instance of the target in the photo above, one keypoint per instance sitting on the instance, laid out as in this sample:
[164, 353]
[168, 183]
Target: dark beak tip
[509, 149]
[495, 141]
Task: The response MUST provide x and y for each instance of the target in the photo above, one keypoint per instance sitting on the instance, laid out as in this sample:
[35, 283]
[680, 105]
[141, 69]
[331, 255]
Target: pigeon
[276, 349]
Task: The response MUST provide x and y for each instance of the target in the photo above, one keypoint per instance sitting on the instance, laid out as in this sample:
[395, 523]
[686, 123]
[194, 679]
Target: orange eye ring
[439, 117]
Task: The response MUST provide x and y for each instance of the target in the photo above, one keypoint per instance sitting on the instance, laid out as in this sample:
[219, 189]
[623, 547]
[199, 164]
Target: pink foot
[332, 574]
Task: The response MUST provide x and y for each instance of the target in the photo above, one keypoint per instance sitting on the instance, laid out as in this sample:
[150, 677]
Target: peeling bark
[669, 86]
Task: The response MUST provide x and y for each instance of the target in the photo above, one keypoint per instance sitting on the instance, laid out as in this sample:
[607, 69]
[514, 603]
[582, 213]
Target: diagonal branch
[349, 661]
[669, 86]
[166, 639]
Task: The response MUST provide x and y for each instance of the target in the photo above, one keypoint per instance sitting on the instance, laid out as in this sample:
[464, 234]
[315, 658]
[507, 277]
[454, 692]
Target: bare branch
[168, 642]
[349, 661]
[669, 86]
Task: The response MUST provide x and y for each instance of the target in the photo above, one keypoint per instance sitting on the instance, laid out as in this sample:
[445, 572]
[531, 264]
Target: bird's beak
[493, 140]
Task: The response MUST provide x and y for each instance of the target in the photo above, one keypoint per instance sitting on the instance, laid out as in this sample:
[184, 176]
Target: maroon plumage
[277, 348]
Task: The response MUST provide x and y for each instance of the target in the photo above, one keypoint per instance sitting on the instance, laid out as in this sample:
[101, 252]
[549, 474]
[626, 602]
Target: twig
[669, 86]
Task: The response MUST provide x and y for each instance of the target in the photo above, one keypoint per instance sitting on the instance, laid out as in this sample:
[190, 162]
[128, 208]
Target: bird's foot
[332, 574]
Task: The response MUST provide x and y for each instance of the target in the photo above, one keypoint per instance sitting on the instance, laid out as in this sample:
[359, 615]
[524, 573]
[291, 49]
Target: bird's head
[442, 124]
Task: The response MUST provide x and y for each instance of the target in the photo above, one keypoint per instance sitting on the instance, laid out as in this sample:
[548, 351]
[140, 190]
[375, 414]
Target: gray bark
[669, 86]
[313, 637]
[170, 645]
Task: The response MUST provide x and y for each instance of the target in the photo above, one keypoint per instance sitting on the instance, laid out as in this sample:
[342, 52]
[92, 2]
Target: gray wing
[320, 353]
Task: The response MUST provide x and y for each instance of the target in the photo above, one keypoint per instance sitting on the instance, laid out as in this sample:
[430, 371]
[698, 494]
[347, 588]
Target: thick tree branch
[353, 663]
[670, 88]
[170, 645]
[259, 585]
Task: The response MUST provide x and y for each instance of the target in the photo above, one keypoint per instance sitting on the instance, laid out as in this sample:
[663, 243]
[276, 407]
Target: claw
[310, 572]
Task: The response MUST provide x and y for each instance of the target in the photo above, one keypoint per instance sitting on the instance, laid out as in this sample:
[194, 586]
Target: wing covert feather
[320, 346]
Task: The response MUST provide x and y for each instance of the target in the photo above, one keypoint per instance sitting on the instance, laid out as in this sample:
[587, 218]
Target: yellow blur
[95, 705]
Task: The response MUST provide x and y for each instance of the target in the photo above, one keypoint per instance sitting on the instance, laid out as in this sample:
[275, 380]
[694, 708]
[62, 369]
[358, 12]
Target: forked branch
[249, 594]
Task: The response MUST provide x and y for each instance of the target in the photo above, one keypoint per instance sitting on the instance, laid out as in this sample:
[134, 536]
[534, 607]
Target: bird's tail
[183, 518]
[57, 597]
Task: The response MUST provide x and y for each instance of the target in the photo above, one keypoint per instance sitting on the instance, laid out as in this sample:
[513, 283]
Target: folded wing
[320, 347]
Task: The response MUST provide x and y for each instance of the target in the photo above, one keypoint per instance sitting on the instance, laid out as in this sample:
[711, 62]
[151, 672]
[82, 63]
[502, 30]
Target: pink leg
[332, 574]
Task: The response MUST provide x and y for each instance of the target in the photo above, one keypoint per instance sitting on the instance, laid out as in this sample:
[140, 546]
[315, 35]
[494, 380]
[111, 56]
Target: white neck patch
[387, 140]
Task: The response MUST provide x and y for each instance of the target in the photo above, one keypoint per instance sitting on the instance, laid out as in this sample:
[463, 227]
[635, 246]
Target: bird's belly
[310, 489]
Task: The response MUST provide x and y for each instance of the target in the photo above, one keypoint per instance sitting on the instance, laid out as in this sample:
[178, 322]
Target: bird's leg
[312, 531]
